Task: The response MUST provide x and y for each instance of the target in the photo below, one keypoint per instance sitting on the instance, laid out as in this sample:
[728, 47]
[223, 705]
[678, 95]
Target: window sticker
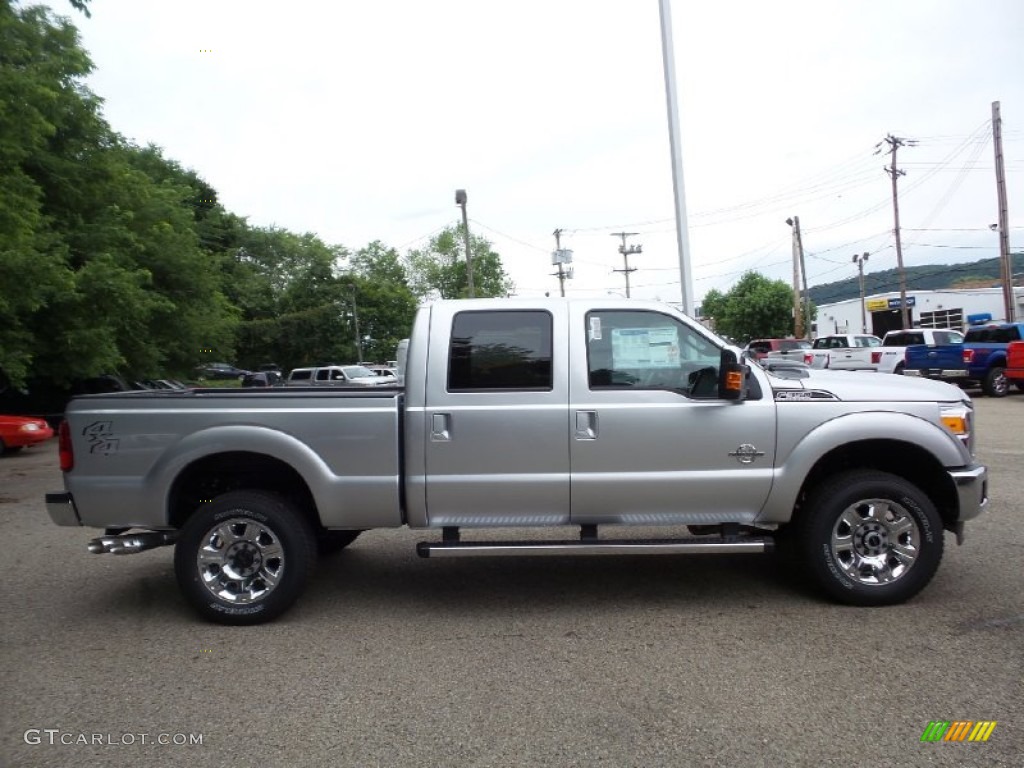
[595, 328]
[645, 347]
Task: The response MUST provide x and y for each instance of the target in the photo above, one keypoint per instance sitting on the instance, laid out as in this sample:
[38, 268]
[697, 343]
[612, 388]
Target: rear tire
[996, 384]
[899, 370]
[244, 558]
[870, 538]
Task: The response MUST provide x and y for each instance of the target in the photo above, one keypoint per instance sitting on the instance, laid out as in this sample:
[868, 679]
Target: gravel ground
[390, 660]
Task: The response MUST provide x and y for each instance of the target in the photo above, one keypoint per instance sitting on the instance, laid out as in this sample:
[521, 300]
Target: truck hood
[866, 386]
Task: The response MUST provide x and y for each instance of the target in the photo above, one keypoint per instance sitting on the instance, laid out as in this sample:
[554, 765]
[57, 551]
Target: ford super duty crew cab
[532, 414]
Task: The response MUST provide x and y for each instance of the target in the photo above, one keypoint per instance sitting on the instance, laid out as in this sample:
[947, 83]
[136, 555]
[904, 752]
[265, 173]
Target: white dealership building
[949, 308]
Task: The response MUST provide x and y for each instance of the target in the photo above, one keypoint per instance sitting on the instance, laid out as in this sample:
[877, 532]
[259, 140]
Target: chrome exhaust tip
[130, 543]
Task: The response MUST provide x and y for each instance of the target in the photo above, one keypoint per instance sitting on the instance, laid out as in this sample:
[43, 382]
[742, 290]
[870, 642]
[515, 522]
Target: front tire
[245, 557]
[996, 384]
[870, 538]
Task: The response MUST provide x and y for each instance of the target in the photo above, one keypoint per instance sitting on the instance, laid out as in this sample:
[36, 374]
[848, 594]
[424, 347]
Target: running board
[732, 545]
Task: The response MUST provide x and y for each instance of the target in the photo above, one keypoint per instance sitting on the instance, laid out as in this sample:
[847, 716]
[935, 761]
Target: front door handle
[586, 425]
[440, 427]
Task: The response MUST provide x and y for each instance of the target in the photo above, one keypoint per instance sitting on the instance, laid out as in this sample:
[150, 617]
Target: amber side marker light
[955, 424]
[734, 380]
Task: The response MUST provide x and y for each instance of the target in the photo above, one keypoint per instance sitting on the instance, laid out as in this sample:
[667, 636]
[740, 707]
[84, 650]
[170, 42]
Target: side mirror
[732, 377]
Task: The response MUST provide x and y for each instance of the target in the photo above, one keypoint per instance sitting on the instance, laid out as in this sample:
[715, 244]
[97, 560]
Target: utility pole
[801, 316]
[1005, 260]
[895, 142]
[460, 199]
[626, 253]
[859, 261]
[355, 320]
[560, 258]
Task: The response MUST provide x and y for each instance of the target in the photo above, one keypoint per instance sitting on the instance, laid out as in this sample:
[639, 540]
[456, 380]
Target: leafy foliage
[115, 259]
[439, 270]
[927, 277]
[755, 307]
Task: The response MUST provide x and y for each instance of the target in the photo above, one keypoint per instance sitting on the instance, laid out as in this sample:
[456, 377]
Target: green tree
[755, 307]
[439, 270]
[295, 304]
[712, 308]
[102, 267]
[39, 64]
[386, 303]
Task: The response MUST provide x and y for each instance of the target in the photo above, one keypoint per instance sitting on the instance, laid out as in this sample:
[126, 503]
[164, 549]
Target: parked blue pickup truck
[979, 361]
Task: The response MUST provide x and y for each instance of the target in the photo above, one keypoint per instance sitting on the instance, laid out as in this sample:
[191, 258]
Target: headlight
[29, 428]
[959, 419]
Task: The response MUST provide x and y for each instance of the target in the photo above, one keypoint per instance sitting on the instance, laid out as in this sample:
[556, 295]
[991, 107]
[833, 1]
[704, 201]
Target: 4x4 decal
[101, 437]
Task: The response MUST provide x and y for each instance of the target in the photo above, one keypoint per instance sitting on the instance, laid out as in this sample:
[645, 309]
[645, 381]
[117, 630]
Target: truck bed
[345, 443]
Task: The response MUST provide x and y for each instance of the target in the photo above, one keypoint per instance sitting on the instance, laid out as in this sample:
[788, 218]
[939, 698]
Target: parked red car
[18, 431]
[759, 348]
[1015, 363]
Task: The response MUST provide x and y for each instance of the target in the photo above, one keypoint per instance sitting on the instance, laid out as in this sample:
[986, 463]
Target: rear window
[993, 335]
[788, 345]
[867, 341]
[903, 339]
[300, 375]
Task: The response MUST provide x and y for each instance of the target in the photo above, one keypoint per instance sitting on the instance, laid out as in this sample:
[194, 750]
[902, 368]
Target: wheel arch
[215, 474]
[908, 461]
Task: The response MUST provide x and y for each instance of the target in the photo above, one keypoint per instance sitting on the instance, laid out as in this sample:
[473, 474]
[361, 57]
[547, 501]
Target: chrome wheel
[240, 561]
[875, 541]
[1000, 385]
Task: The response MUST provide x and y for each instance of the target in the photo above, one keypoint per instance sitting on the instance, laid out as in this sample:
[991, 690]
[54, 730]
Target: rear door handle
[440, 427]
[586, 425]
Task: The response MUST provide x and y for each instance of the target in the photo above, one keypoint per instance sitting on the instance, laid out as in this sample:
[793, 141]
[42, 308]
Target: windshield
[357, 372]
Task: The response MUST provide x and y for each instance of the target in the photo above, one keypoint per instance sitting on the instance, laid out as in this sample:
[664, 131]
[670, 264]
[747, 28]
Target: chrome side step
[731, 545]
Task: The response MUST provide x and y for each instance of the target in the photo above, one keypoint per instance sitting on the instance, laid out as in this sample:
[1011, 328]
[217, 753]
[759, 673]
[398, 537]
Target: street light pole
[859, 261]
[355, 319]
[460, 200]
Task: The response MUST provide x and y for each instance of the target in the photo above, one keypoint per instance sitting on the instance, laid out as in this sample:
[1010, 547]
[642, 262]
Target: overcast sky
[359, 120]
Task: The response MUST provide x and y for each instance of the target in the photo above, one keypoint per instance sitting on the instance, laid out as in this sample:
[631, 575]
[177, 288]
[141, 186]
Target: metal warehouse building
[948, 308]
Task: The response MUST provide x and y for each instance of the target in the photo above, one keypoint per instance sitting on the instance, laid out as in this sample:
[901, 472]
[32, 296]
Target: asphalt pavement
[390, 660]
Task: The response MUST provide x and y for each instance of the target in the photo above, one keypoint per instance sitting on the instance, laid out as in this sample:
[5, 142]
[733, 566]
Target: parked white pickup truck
[845, 352]
[895, 343]
[336, 375]
[531, 414]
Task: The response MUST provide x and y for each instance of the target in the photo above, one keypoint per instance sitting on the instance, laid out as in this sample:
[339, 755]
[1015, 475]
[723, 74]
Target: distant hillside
[929, 277]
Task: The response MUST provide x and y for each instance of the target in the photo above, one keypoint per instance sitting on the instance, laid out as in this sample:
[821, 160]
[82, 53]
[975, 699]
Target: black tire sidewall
[267, 509]
[989, 385]
[816, 535]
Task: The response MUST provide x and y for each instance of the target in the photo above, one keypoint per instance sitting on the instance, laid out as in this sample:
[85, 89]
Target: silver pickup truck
[532, 414]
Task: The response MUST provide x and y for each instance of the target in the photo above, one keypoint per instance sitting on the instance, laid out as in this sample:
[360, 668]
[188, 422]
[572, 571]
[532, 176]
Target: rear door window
[492, 351]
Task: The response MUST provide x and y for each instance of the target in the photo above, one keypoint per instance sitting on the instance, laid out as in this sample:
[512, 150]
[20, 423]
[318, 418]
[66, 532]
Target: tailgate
[941, 357]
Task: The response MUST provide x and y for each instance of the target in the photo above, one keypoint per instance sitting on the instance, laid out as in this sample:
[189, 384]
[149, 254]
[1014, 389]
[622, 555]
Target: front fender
[846, 430]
